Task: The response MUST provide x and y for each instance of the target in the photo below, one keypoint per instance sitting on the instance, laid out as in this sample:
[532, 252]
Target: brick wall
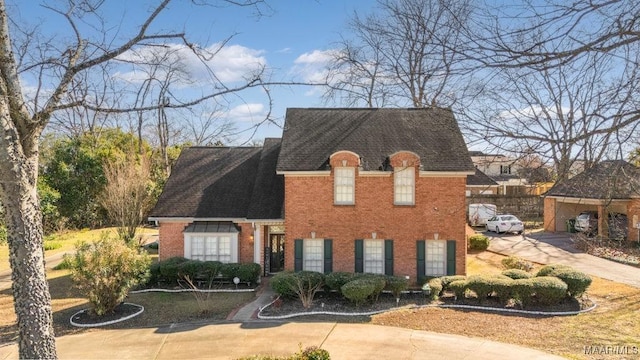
[170, 239]
[549, 214]
[633, 218]
[439, 207]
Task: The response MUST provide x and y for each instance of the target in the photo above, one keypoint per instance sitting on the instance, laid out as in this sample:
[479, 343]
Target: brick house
[610, 187]
[364, 190]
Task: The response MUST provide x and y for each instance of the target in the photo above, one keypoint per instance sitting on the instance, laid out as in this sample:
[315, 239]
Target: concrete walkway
[234, 340]
[557, 248]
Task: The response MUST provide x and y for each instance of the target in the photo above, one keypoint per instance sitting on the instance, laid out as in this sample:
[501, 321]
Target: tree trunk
[32, 300]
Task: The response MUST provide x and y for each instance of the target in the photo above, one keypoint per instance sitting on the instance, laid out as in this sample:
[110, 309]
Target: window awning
[211, 227]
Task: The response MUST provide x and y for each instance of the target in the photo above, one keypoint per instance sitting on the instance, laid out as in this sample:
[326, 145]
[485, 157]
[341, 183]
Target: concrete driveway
[557, 248]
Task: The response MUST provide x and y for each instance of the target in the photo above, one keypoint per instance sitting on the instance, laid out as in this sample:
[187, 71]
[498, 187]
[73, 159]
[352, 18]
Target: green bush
[435, 287]
[3, 235]
[502, 288]
[577, 281]
[312, 353]
[249, 272]
[522, 291]
[549, 290]
[478, 242]
[211, 269]
[446, 280]
[378, 280]
[458, 287]
[335, 280]
[516, 274]
[396, 284]
[514, 262]
[481, 285]
[306, 285]
[283, 284]
[548, 269]
[169, 269]
[230, 270]
[358, 290]
[105, 270]
[190, 268]
[65, 263]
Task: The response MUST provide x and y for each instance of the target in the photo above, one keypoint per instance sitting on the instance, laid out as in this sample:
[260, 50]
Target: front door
[276, 245]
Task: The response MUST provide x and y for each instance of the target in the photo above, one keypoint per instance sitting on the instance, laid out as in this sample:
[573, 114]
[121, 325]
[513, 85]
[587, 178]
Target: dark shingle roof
[268, 192]
[480, 179]
[611, 179]
[218, 182]
[311, 135]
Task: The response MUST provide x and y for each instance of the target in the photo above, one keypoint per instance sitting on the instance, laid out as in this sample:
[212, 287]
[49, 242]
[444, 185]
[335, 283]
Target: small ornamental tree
[105, 270]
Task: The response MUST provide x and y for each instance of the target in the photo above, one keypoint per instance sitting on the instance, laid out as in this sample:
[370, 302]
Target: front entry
[276, 246]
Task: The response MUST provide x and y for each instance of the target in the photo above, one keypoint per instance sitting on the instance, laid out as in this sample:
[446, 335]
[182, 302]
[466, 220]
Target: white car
[505, 223]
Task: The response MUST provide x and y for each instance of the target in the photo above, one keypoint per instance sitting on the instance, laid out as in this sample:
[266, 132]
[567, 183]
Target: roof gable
[611, 179]
[480, 179]
[310, 136]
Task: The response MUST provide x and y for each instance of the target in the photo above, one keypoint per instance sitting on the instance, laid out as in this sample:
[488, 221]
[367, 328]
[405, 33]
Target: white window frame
[211, 247]
[344, 189]
[373, 256]
[313, 255]
[404, 186]
[435, 258]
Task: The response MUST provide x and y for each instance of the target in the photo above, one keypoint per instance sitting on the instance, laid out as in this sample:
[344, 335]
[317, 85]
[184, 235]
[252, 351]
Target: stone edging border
[469, 307]
[106, 322]
[192, 290]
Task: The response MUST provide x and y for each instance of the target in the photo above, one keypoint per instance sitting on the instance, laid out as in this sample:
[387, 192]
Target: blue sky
[291, 38]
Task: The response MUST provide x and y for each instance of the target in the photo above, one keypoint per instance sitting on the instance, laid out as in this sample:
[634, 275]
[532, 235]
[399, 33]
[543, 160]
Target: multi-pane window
[436, 258]
[344, 190]
[404, 185]
[211, 248]
[374, 256]
[313, 255]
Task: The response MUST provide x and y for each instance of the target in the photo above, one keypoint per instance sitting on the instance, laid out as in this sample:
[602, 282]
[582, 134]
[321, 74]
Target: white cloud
[230, 63]
[250, 112]
[312, 67]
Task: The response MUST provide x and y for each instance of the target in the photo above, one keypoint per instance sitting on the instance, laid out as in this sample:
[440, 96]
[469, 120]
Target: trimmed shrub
[396, 285]
[312, 353]
[190, 268]
[548, 269]
[435, 288]
[306, 285]
[211, 270]
[230, 270]
[481, 285]
[249, 272]
[105, 270]
[335, 280]
[478, 242]
[170, 269]
[378, 280]
[514, 262]
[516, 274]
[502, 288]
[283, 283]
[446, 280]
[549, 290]
[577, 281]
[522, 291]
[358, 290]
[458, 287]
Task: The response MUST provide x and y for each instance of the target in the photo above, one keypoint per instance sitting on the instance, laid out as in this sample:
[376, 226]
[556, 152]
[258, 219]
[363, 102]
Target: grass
[615, 322]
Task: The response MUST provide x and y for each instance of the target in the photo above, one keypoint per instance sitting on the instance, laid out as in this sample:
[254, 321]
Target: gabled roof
[611, 179]
[480, 179]
[220, 182]
[268, 192]
[310, 136]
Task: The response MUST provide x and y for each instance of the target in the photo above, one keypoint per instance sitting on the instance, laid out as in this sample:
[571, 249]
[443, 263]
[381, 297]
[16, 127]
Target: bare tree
[57, 68]
[126, 196]
[409, 52]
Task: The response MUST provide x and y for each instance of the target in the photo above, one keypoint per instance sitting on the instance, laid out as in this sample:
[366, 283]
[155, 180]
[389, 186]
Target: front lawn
[615, 321]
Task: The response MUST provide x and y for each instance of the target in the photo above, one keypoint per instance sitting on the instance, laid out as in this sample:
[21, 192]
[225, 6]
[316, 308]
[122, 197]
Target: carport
[609, 187]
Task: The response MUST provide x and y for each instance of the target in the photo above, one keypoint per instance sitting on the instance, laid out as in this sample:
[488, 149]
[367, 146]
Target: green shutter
[388, 257]
[451, 257]
[421, 264]
[297, 248]
[328, 256]
[359, 256]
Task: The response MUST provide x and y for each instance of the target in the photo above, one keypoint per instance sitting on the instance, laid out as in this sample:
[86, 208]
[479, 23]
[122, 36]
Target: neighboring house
[481, 184]
[364, 190]
[502, 169]
[610, 187]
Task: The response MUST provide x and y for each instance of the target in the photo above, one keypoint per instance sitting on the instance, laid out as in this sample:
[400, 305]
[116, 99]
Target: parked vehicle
[480, 213]
[587, 222]
[505, 223]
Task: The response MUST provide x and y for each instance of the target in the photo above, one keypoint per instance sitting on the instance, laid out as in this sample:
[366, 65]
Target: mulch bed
[88, 317]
